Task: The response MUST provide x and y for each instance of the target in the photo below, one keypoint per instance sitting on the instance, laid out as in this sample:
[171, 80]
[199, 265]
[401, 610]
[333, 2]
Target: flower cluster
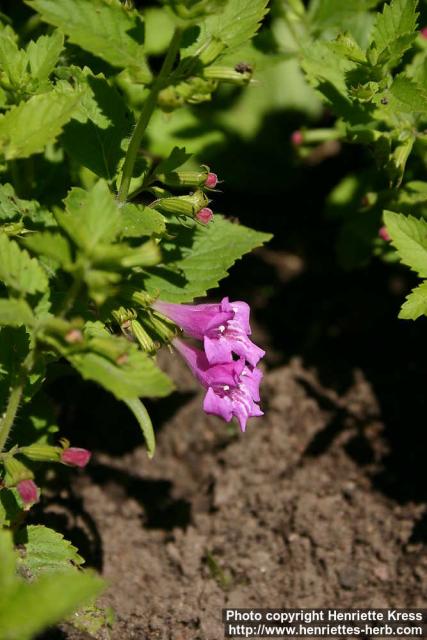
[227, 365]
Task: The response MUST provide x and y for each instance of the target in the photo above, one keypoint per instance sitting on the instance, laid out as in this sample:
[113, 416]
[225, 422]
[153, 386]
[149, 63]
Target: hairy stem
[8, 418]
[15, 396]
[146, 113]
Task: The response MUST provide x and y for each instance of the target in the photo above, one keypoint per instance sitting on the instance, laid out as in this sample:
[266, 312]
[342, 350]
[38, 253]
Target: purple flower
[28, 491]
[232, 387]
[223, 327]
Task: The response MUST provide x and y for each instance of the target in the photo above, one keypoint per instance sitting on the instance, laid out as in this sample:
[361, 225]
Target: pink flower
[384, 234]
[211, 180]
[75, 456]
[205, 215]
[28, 491]
[232, 387]
[423, 32]
[223, 327]
[297, 138]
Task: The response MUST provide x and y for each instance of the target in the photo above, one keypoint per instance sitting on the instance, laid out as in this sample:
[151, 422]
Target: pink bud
[205, 215]
[423, 32]
[211, 180]
[28, 491]
[76, 457]
[74, 336]
[384, 234]
[297, 138]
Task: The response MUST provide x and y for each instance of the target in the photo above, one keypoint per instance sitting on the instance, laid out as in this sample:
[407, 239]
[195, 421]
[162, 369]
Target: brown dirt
[289, 514]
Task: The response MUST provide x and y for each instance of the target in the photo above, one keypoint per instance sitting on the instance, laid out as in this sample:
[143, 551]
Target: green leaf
[416, 303]
[102, 27]
[13, 61]
[18, 271]
[395, 30]
[27, 608]
[94, 138]
[144, 420]
[15, 313]
[234, 25]
[43, 55]
[30, 126]
[409, 236]
[138, 221]
[407, 96]
[91, 217]
[43, 550]
[137, 376]
[207, 254]
[49, 244]
[12, 207]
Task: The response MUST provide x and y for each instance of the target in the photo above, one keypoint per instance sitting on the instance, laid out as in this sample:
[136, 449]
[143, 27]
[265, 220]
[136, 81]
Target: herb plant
[102, 240]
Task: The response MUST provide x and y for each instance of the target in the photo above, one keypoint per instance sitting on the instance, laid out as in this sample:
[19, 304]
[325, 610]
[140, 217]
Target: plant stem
[8, 417]
[16, 391]
[146, 113]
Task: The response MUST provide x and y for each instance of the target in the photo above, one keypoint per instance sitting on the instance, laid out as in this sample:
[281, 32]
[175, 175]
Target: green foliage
[98, 217]
[18, 271]
[27, 128]
[409, 236]
[394, 30]
[42, 550]
[103, 27]
[206, 255]
[28, 608]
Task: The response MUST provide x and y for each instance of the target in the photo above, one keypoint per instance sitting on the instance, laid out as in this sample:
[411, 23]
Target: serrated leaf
[28, 127]
[12, 207]
[49, 244]
[43, 54]
[138, 221]
[102, 27]
[13, 61]
[91, 217]
[395, 30]
[137, 377]
[95, 138]
[43, 550]
[416, 303]
[18, 271]
[409, 236]
[407, 96]
[15, 313]
[234, 25]
[144, 421]
[207, 254]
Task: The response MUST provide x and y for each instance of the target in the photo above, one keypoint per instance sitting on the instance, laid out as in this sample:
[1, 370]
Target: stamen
[221, 328]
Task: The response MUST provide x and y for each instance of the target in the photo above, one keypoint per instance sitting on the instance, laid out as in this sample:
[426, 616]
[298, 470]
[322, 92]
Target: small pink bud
[384, 234]
[211, 180]
[297, 138]
[74, 336]
[28, 491]
[423, 32]
[75, 456]
[205, 215]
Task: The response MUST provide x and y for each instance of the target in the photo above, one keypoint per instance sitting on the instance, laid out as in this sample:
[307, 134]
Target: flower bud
[240, 76]
[74, 336]
[384, 234]
[182, 205]
[41, 452]
[211, 180]
[144, 339]
[28, 492]
[297, 138]
[423, 33]
[184, 179]
[205, 215]
[15, 471]
[75, 457]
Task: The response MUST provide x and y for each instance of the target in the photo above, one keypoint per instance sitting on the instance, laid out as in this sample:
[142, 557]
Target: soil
[286, 515]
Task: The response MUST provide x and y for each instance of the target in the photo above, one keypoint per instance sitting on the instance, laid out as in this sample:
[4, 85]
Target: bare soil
[290, 514]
